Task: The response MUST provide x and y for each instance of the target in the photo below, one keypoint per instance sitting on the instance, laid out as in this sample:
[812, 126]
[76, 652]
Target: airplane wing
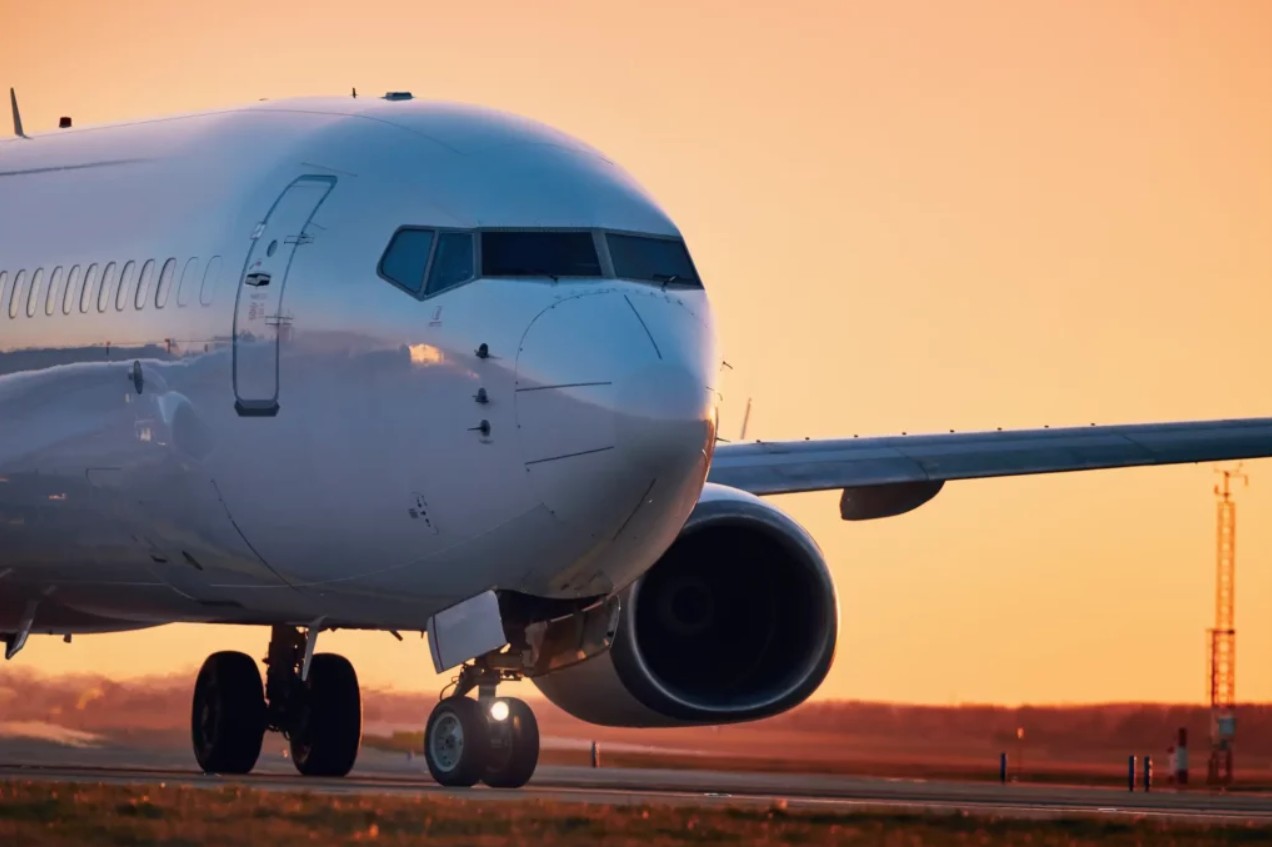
[884, 476]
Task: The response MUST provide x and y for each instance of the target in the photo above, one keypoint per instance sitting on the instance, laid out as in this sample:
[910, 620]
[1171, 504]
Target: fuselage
[218, 404]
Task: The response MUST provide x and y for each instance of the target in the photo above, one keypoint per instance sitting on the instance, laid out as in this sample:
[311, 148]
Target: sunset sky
[910, 217]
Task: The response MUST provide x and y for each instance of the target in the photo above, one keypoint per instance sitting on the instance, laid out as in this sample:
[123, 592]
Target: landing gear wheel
[328, 731]
[456, 742]
[514, 746]
[227, 721]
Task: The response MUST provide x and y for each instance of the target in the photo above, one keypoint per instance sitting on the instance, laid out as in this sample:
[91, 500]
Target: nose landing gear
[491, 739]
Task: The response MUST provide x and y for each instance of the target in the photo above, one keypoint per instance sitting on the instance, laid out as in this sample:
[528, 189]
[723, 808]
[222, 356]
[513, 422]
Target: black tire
[328, 729]
[514, 747]
[456, 742]
[227, 719]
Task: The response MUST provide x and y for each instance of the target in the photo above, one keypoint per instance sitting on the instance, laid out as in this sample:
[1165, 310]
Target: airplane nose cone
[614, 413]
[662, 414]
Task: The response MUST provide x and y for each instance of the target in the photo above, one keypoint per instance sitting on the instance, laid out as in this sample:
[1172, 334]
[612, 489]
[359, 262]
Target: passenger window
[110, 279]
[19, 291]
[91, 280]
[210, 279]
[143, 284]
[406, 258]
[73, 283]
[452, 262]
[165, 283]
[189, 282]
[55, 291]
[126, 282]
[33, 296]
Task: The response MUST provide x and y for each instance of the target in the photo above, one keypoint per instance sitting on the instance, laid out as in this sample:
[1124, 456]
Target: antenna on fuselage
[17, 116]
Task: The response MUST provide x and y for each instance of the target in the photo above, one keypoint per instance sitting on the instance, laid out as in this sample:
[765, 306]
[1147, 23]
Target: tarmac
[379, 772]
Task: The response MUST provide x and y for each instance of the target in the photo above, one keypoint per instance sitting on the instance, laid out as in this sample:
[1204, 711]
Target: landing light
[499, 710]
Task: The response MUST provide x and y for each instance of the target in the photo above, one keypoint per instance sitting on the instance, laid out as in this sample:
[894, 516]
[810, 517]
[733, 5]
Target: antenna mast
[1222, 666]
[746, 420]
[17, 116]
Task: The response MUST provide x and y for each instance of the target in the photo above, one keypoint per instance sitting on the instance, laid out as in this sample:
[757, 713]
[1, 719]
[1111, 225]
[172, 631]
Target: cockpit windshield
[664, 260]
[425, 261]
[539, 253]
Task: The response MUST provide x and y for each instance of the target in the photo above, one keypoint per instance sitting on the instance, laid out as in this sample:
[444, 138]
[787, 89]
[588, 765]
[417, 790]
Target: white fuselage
[206, 448]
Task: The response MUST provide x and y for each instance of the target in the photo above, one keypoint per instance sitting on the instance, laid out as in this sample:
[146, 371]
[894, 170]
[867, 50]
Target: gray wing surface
[909, 467]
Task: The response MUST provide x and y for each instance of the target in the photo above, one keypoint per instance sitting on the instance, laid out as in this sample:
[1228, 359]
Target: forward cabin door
[259, 322]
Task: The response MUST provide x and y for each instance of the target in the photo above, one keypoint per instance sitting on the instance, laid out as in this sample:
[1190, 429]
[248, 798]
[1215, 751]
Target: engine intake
[736, 621]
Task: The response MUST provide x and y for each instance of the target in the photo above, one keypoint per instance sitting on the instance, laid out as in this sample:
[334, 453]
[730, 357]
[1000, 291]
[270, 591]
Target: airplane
[385, 364]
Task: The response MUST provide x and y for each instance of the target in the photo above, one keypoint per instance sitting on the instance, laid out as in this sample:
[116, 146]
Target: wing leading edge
[915, 466]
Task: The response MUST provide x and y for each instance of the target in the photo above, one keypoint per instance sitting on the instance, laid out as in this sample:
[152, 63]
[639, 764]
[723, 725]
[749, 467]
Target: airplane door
[259, 321]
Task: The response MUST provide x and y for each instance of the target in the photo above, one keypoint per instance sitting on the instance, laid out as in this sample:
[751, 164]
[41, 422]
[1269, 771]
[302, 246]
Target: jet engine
[736, 621]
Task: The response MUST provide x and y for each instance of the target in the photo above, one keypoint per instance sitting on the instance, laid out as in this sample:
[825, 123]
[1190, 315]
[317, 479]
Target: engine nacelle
[736, 621]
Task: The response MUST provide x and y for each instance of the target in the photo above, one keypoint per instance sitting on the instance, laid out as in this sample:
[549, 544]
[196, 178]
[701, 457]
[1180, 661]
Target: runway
[385, 773]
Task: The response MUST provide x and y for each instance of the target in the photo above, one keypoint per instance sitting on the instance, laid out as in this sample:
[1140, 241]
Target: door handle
[258, 280]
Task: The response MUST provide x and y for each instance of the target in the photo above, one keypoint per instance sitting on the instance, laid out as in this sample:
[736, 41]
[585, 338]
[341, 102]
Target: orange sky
[911, 216]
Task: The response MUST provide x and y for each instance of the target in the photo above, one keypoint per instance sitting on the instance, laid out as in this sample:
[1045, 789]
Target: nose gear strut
[491, 739]
[495, 739]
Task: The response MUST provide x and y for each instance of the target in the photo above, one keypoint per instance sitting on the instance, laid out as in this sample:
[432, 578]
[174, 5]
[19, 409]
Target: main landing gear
[313, 700]
[491, 739]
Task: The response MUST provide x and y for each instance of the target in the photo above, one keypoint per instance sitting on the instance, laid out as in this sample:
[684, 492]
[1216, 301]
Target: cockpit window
[553, 254]
[452, 263]
[664, 260]
[425, 261]
[406, 260]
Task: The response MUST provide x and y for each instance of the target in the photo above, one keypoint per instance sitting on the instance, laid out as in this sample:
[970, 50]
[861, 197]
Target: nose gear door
[259, 322]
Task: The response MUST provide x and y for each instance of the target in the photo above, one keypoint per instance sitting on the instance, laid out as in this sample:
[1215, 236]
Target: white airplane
[403, 366]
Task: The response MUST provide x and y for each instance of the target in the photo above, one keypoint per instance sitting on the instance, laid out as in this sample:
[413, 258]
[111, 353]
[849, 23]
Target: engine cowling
[736, 621]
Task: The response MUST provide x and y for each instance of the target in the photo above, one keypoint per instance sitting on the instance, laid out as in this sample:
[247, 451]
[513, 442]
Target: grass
[60, 815]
